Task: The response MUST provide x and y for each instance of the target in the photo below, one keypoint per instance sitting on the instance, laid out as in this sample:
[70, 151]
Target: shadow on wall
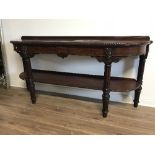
[125, 68]
[74, 64]
[130, 68]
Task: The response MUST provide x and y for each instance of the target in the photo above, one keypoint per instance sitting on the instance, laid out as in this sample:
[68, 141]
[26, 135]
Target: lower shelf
[117, 84]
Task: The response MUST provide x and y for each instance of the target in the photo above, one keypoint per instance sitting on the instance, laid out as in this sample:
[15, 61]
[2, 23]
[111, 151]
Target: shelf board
[117, 84]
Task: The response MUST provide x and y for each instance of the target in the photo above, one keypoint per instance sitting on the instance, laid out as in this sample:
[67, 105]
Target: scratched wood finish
[57, 115]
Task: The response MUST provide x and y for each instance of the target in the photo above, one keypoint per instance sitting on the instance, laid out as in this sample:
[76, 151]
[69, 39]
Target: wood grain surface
[58, 115]
[117, 84]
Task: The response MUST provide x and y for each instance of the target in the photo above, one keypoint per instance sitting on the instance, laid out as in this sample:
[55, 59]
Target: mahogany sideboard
[106, 49]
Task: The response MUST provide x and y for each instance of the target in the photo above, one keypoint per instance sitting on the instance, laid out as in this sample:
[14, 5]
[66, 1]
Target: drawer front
[85, 51]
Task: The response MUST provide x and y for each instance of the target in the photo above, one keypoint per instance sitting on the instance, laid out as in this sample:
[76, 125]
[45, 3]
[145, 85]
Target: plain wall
[14, 29]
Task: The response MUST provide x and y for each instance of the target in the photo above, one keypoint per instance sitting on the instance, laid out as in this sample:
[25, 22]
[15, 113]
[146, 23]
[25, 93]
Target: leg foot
[135, 104]
[104, 113]
[32, 91]
[33, 100]
[137, 95]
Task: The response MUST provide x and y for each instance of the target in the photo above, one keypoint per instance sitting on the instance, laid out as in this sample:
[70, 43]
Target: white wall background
[134, 23]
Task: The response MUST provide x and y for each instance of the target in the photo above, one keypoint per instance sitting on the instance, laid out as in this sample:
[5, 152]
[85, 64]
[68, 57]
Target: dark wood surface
[88, 46]
[86, 50]
[85, 40]
[118, 84]
[106, 49]
[132, 38]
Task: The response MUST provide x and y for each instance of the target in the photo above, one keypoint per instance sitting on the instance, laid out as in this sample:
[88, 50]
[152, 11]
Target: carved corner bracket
[22, 51]
[17, 48]
[108, 58]
[113, 59]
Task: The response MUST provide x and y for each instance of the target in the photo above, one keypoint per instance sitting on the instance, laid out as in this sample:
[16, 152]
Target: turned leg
[106, 87]
[28, 72]
[141, 67]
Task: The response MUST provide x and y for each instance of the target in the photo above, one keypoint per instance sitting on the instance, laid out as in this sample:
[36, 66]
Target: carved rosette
[108, 58]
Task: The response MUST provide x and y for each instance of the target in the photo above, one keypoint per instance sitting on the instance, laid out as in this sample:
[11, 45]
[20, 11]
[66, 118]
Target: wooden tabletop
[84, 40]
